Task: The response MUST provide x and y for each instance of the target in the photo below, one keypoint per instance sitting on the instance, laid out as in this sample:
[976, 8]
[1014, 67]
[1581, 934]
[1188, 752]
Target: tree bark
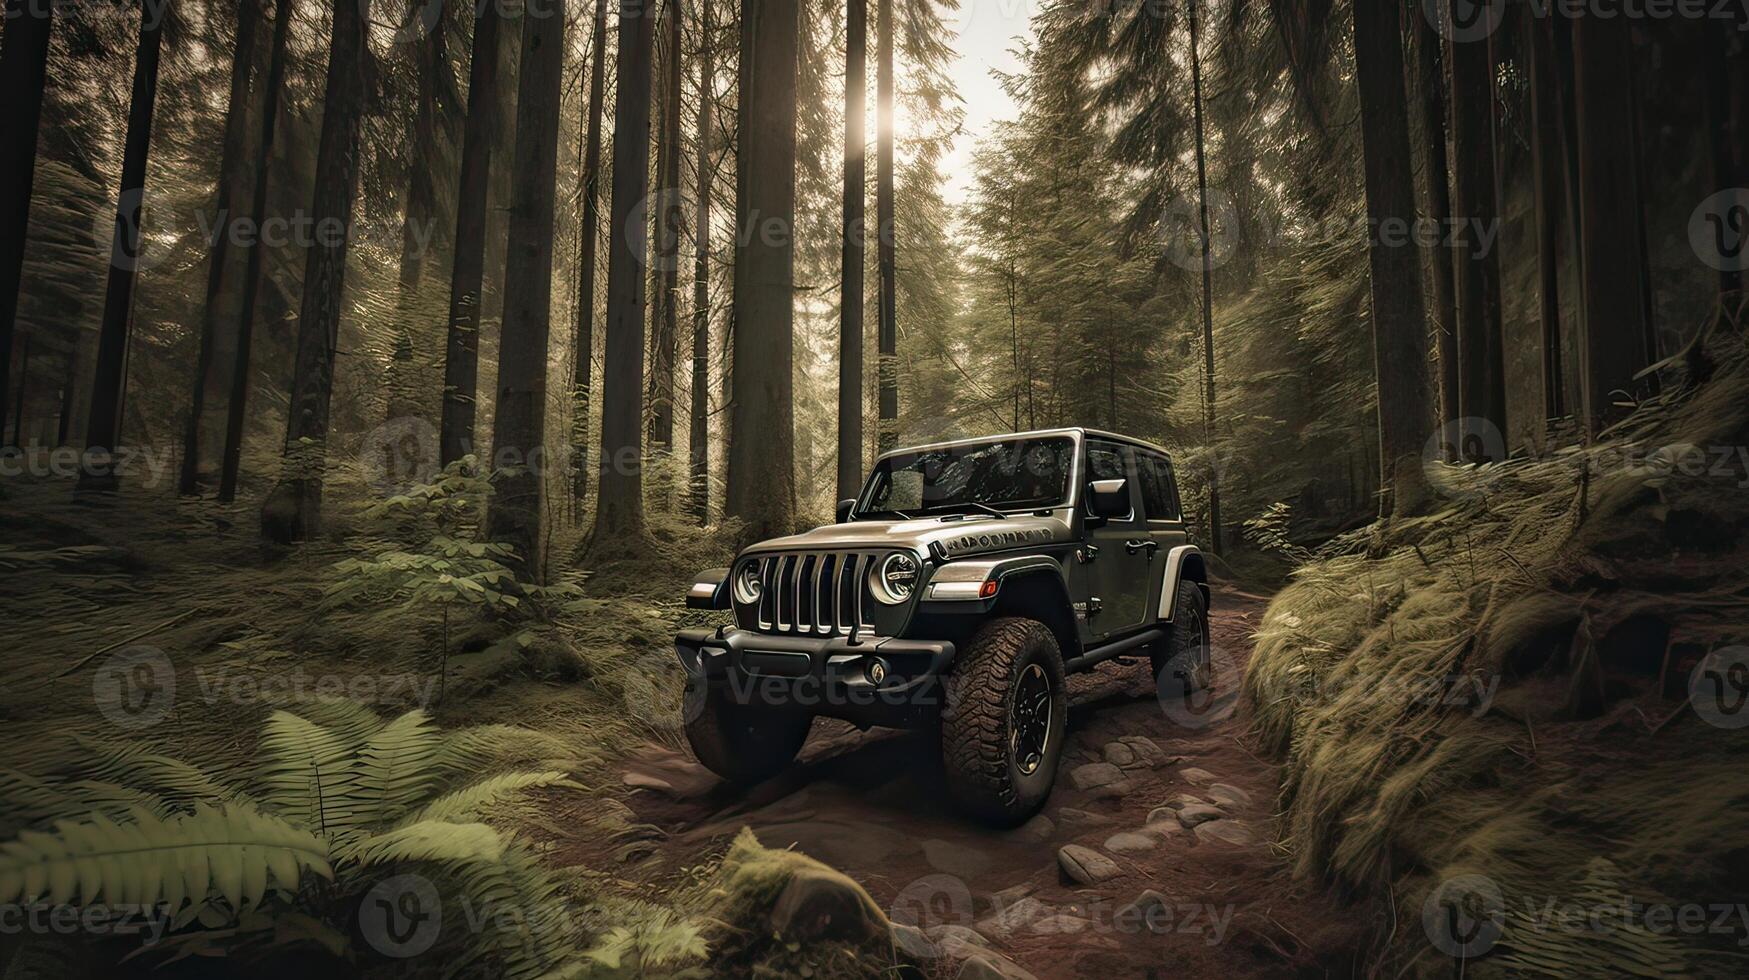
[1399, 318]
[1431, 82]
[619, 506]
[24, 59]
[64, 420]
[461, 363]
[23, 386]
[887, 421]
[515, 514]
[1614, 333]
[698, 441]
[109, 390]
[1208, 311]
[761, 478]
[293, 511]
[850, 291]
[664, 326]
[425, 217]
[235, 409]
[1545, 156]
[584, 362]
[1481, 354]
[232, 185]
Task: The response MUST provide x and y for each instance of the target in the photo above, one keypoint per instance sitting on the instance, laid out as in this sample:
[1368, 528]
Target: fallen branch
[172, 621]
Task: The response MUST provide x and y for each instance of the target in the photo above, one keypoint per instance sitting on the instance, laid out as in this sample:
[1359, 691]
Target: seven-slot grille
[814, 593]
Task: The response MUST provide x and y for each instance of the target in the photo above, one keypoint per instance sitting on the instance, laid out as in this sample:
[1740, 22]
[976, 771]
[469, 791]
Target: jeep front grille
[814, 593]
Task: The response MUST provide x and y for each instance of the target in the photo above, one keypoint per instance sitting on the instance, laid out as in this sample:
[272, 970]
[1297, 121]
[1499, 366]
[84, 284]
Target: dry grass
[1575, 583]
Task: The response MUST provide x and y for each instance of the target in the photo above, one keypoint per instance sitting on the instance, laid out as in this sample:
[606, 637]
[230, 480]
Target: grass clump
[1499, 689]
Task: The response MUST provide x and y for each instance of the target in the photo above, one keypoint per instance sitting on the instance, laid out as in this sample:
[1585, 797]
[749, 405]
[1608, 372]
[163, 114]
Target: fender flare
[1182, 562]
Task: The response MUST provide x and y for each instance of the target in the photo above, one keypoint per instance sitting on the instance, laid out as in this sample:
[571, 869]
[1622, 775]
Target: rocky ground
[1155, 854]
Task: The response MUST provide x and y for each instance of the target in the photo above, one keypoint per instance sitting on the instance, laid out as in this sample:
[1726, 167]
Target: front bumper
[823, 675]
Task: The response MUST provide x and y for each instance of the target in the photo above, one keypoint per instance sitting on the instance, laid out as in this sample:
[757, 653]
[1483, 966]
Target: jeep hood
[958, 538]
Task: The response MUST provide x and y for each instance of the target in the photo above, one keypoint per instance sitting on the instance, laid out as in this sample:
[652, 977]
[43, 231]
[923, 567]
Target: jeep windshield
[997, 476]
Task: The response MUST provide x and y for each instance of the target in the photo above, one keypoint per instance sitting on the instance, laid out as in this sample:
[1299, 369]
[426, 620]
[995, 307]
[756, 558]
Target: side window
[1105, 462]
[1108, 461]
[1159, 493]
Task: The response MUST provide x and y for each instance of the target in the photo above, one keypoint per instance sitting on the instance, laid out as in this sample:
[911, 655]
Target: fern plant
[339, 800]
[432, 557]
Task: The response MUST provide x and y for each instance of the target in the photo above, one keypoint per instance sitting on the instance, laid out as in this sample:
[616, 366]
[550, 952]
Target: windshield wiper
[973, 504]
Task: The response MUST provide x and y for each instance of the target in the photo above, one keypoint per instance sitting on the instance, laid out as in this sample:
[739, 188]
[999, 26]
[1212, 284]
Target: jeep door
[1113, 577]
[1157, 485]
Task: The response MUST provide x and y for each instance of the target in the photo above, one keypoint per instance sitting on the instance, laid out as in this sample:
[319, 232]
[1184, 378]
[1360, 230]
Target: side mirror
[845, 507]
[1109, 499]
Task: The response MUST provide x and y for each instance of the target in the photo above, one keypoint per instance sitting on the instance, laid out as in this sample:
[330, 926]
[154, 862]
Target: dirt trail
[872, 806]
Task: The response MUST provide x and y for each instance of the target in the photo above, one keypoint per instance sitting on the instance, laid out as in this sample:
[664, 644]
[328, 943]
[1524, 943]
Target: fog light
[876, 671]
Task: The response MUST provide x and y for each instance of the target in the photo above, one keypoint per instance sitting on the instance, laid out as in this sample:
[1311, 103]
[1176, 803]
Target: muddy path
[1169, 799]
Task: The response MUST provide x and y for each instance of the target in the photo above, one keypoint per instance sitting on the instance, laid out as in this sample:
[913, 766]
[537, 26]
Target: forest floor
[242, 631]
[870, 805]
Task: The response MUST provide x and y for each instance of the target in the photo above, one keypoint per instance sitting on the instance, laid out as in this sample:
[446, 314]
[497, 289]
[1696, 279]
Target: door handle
[1139, 544]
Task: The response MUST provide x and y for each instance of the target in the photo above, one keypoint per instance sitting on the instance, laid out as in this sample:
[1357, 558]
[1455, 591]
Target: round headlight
[895, 579]
[747, 586]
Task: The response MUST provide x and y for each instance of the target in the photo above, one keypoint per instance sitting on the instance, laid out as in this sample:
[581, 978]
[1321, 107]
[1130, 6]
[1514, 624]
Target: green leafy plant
[431, 556]
[339, 801]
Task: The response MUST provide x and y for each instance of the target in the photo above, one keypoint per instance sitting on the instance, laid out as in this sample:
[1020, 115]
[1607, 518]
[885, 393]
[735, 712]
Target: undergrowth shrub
[1495, 689]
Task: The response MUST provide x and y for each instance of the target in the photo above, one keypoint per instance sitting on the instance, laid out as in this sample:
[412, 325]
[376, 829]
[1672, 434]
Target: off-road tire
[983, 776]
[742, 743]
[1180, 662]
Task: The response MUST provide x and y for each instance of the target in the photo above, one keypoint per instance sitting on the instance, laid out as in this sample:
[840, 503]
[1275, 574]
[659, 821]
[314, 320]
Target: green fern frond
[469, 801]
[235, 851]
[181, 785]
[483, 747]
[429, 840]
[30, 802]
[392, 773]
[345, 717]
[303, 764]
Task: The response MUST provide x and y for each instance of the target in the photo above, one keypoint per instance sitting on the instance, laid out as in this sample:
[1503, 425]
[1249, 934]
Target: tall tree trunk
[1726, 79]
[1546, 167]
[887, 367]
[23, 385]
[1614, 333]
[664, 326]
[64, 420]
[232, 185]
[236, 408]
[698, 441]
[761, 486]
[24, 59]
[1430, 83]
[461, 361]
[293, 511]
[425, 215]
[850, 271]
[515, 514]
[1481, 355]
[584, 363]
[109, 390]
[1399, 319]
[619, 505]
[1208, 311]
